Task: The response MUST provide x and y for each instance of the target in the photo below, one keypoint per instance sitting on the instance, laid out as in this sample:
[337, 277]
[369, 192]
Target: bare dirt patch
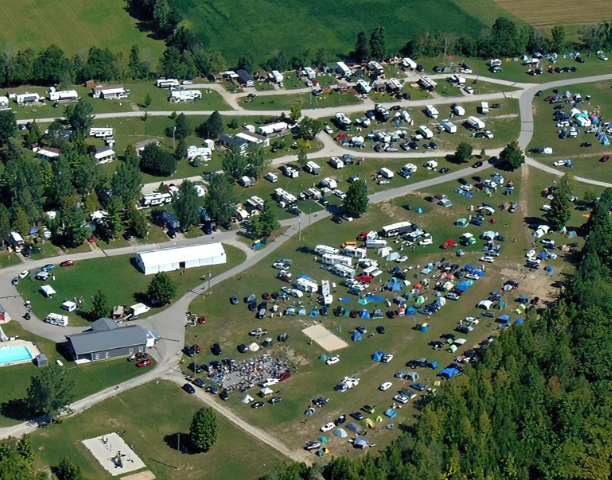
[325, 338]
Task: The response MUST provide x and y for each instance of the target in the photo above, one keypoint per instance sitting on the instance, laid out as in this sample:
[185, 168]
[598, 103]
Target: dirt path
[261, 435]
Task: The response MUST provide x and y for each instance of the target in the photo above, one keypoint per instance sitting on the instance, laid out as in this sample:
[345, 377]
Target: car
[269, 382]
[444, 170]
[500, 238]
[275, 400]
[224, 395]
[189, 388]
[387, 358]
[340, 420]
[256, 405]
[380, 330]
[487, 259]
[327, 427]
[234, 299]
[430, 198]
[15, 281]
[605, 158]
[452, 296]
[256, 332]
[328, 129]
[347, 217]
[199, 382]
[512, 283]
[586, 144]
[216, 349]
[336, 219]
[401, 398]
[385, 386]
[144, 363]
[361, 329]
[357, 416]
[24, 274]
[418, 386]
[47, 268]
[448, 243]
[478, 164]
[469, 90]
[312, 446]
[539, 93]
[368, 409]
[332, 360]
[353, 179]
[67, 263]
[196, 348]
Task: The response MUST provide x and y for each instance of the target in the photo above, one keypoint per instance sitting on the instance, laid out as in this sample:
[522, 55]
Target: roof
[49, 152]
[143, 143]
[97, 341]
[103, 324]
[181, 254]
[102, 88]
[229, 140]
[244, 75]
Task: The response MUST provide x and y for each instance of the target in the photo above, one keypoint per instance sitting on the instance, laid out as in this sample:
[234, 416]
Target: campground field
[558, 12]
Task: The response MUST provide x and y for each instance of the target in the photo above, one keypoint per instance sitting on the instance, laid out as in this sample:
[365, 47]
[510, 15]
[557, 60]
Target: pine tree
[162, 289]
[100, 307]
[362, 49]
[377, 43]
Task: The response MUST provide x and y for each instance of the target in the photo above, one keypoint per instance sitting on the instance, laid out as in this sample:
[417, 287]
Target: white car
[401, 398]
[488, 133]
[425, 242]
[401, 259]
[340, 194]
[328, 129]
[472, 276]
[269, 382]
[24, 274]
[385, 386]
[601, 56]
[332, 360]
[327, 427]
[559, 163]
[347, 217]
[469, 90]
[279, 265]
[387, 358]
[487, 259]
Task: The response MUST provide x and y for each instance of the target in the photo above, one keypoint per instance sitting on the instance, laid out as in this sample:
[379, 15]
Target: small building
[15, 241]
[25, 98]
[109, 92]
[175, 258]
[107, 340]
[140, 146]
[244, 78]
[4, 102]
[41, 360]
[104, 154]
[240, 143]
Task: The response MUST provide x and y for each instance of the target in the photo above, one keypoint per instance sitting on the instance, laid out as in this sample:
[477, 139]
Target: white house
[48, 153]
[109, 92]
[104, 154]
[175, 258]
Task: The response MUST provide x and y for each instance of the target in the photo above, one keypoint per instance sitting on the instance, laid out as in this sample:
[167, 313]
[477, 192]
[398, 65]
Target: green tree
[25, 450]
[126, 183]
[220, 198]
[377, 43]
[79, 117]
[302, 157]
[156, 161]
[92, 203]
[51, 391]
[34, 135]
[8, 127]
[257, 162]
[217, 62]
[309, 128]
[362, 48]
[162, 289]
[234, 124]
[560, 209]
[75, 229]
[512, 156]
[265, 223]
[234, 163]
[204, 430]
[135, 66]
[356, 201]
[137, 222]
[5, 222]
[464, 152]
[295, 112]
[558, 35]
[21, 223]
[113, 222]
[66, 470]
[147, 100]
[180, 152]
[183, 126]
[186, 205]
[62, 181]
[100, 307]
[212, 127]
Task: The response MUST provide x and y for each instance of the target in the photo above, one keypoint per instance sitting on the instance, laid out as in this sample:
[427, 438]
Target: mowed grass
[74, 26]
[149, 417]
[294, 27]
[89, 378]
[305, 100]
[559, 12]
[117, 277]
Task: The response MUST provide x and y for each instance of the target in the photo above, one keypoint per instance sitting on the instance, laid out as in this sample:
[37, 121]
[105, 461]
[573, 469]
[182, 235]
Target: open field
[149, 418]
[86, 277]
[305, 100]
[89, 378]
[294, 27]
[559, 12]
[74, 27]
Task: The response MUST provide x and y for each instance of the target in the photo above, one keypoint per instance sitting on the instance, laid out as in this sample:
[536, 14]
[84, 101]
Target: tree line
[537, 405]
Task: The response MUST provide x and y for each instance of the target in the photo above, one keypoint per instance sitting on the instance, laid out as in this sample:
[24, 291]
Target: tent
[379, 419]
[242, 348]
[314, 313]
[462, 222]
[448, 286]
[420, 300]
[412, 376]
[419, 210]
[504, 319]
[394, 286]
[520, 321]
[377, 356]
[485, 304]
[356, 337]
[369, 423]
[463, 286]
[549, 270]
[353, 427]
[377, 313]
[48, 291]
[501, 304]
[448, 373]
[340, 433]
[452, 348]
[361, 443]
[247, 399]
[391, 413]
[323, 357]
[364, 314]
[441, 301]
[42, 360]
[266, 391]
[392, 256]
[323, 439]
[410, 311]
[309, 412]
[253, 347]
[375, 298]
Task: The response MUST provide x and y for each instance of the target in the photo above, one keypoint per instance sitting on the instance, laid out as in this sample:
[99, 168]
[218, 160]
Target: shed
[245, 79]
[169, 259]
[42, 360]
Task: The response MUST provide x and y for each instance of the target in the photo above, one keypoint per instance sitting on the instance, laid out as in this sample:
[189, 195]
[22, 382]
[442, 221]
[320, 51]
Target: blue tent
[364, 314]
[394, 286]
[519, 321]
[419, 210]
[463, 286]
[448, 372]
[314, 313]
[344, 300]
[389, 412]
[479, 272]
[410, 311]
[504, 319]
[377, 356]
[356, 337]
[549, 270]
[375, 298]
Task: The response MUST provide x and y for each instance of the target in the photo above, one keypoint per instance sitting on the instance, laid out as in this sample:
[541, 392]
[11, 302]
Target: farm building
[106, 340]
[169, 259]
[244, 78]
[109, 92]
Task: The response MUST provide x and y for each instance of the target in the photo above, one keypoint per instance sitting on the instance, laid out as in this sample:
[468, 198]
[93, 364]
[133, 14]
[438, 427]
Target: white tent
[253, 347]
[486, 304]
[175, 258]
[266, 391]
[47, 291]
[247, 399]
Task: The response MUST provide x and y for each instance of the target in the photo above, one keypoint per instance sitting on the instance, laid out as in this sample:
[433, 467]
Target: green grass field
[149, 418]
[305, 100]
[74, 27]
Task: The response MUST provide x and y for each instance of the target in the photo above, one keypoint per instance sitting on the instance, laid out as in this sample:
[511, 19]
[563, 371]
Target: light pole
[173, 132]
[299, 229]
[209, 277]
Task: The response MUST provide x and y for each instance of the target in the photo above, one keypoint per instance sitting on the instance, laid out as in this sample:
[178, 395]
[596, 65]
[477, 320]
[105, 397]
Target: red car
[197, 348]
[449, 243]
[202, 320]
[143, 363]
[364, 278]
[362, 236]
[605, 158]
[67, 263]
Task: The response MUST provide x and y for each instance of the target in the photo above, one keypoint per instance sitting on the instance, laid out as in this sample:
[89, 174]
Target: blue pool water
[14, 354]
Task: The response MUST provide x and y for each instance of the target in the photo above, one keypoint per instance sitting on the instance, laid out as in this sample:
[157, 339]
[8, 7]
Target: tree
[183, 126]
[162, 289]
[464, 152]
[377, 43]
[356, 201]
[21, 223]
[302, 157]
[113, 222]
[25, 450]
[147, 100]
[362, 48]
[137, 223]
[180, 151]
[66, 470]
[100, 306]
[126, 182]
[51, 391]
[75, 229]
[309, 128]
[135, 64]
[92, 203]
[34, 135]
[204, 430]
[257, 162]
[156, 161]
[512, 156]
[79, 117]
[558, 35]
[62, 181]
[186, 205]
[265, 223]
[5, 222]
[234, 163]
[212, 127]
[220, 198]
[8, 126]
[560, 209]
[295, 112]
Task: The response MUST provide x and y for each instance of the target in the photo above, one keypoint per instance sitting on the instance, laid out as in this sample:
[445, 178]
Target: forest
[537, 405]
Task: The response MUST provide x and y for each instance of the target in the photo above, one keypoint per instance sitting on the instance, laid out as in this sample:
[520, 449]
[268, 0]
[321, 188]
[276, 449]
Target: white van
[139, 309]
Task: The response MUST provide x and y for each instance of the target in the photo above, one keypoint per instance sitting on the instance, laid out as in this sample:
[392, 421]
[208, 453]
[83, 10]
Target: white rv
[431, 111]
[167, 83]
[476, 123]
[55, 319]
[101, 132]
[448, 126]
[324, 249]
[425, 132]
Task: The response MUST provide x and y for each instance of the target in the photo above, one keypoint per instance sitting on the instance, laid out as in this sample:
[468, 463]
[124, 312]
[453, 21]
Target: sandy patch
[148, 475]
[115, 456]
[325, 338]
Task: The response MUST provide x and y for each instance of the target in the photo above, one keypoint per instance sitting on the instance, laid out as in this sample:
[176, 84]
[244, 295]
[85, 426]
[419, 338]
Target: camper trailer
[431, 111]
[324, 249]
[180, 96]
[55, 319]
[344, 271]
[475, 123]
[312, 167]
[484, 108]
[331, 259]
[385, 172]
[458, 110]
[101, 132]
[156, 199]
[59, 95]
[425, 132]
[167, 83]
[448, 126]
[396, 229]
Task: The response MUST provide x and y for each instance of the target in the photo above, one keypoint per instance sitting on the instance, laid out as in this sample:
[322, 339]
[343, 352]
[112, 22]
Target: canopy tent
[47, 291]
[247, 399]
[504, 320]
[266, 391]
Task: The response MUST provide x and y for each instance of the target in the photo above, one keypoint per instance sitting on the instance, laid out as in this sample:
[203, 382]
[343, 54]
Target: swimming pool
[14, 354]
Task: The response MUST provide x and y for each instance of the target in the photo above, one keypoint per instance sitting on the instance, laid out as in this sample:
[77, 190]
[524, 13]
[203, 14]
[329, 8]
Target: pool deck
[33, 349]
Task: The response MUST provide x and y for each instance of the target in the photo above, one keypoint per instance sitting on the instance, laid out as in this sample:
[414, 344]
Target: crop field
[563, 12]
[266, 27]
[73, 26]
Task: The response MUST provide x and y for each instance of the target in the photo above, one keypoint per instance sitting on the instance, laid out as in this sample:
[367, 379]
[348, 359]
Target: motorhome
[179, 96]
[156, 199]
[55, 319]
[395, 229]
[167, 83]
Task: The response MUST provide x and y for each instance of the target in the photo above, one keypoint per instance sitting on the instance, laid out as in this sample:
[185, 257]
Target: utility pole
[209, 277]
[299, 229]
[173, 132]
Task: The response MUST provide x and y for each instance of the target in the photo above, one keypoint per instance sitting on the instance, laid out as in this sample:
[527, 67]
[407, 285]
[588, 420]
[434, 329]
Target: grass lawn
[546, 133]
[565, 12]
[9, 258]
[306, 100]
[229, 325]
[44, 250]
[89, 378]
[86, 277]
[74, 27]
[149, 418]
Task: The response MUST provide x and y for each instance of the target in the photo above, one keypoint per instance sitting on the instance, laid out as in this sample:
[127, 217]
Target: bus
[396, 228]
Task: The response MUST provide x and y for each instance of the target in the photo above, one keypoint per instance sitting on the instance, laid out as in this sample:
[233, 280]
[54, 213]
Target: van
[55, 319]
[349, 243]
[139, 309]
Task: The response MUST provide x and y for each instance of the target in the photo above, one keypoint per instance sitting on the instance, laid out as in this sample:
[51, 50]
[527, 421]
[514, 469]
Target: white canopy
[253, 347]
[47, 291]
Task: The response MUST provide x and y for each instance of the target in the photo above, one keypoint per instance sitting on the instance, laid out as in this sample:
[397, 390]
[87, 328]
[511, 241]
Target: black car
[338, 311]
[534, 265]
[336, 219]
[436, 344]
[340, 420]
[189, 388]
[257, 404]
[406, 96]
[444, 170]
[500, 238]
[418, 386]
[26, 251]
[234, 299]
[430, 198]
[199, 382]
[413, 145]
[216, 349]
[407, 206]
[189, 351]
[437, 69]
[274, 400]
[447, 336]
[380, 329]
[224, 395]
[579, 59]
[357, 416]
[227, 225]
[478, 164]
[586, 144]
[462, 181]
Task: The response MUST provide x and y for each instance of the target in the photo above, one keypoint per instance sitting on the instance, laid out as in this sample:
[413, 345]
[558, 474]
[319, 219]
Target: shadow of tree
[16, 409]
